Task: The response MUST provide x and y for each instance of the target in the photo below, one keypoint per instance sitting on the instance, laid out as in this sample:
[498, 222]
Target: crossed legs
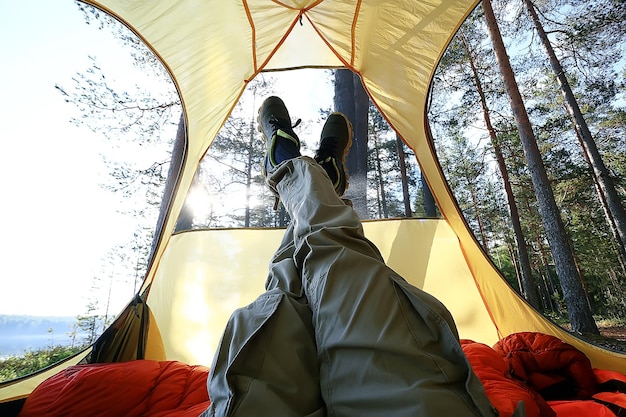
[338, 333]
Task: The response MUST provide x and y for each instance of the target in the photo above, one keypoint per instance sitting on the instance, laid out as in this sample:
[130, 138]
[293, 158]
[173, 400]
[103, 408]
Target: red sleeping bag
[553, 378]
[521, 367]
[137, 388]
[503, 392]
[550, 366]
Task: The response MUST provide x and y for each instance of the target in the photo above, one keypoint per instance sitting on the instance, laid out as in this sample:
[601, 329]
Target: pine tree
[352, 100]
[529, 288]
[616, 215]
[578, 308]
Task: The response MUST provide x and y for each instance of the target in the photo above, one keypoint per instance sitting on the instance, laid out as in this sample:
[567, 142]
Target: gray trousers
[337, 332]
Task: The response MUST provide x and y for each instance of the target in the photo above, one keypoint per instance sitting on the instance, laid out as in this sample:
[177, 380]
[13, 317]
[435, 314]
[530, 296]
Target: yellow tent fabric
[212, 49]
[204, 275]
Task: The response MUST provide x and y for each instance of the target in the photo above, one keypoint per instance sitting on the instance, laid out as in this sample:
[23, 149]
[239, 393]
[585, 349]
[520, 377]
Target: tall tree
[232, 165]
[608, 196]
[390, 173]
[430, 205]
[404, 176]
[383, 210]
[427, 197]
[529, 288]
[467, 173]
[578, 309]
[140, 122]
[352, 100]
[357, 158]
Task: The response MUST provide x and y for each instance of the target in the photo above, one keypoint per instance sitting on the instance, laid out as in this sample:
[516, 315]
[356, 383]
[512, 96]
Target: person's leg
[267, 361]
[384, 346]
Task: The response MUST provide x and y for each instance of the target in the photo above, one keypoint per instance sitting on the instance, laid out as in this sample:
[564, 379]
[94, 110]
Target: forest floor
[612, 336]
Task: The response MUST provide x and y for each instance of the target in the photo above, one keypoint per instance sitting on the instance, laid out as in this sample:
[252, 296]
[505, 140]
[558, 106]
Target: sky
[58, 223]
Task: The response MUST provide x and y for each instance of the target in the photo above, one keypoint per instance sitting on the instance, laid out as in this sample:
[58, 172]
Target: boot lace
[277, 124]
[328, 149]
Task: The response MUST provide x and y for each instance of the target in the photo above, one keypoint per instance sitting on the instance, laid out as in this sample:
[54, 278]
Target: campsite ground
[612, 336]
[612, 333]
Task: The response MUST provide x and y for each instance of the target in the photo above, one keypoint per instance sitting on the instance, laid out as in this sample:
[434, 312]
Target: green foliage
[33, 361]
[385, 178]
[502, 258]
[229, 180]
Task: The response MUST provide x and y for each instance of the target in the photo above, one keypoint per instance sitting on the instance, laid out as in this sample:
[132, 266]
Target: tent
[212, 49]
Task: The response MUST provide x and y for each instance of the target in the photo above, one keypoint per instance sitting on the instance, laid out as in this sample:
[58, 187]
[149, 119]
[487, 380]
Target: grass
[33, 361]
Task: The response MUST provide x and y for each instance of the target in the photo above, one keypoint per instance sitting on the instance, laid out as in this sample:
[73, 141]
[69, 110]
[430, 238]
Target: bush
[33, 361]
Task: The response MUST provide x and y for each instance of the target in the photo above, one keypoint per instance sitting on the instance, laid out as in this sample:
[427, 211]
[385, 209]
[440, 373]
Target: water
[20, 334]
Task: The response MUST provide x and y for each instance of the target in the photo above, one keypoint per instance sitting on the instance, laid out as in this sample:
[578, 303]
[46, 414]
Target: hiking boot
[281, 143]
[333, 150]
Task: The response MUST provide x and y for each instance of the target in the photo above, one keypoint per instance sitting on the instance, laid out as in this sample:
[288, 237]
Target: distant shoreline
[20, 334]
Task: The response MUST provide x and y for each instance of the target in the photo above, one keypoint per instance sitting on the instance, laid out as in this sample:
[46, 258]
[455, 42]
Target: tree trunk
[406, 198]
[344, 93]
[185, 217]
[515, 263]
[528, 287]
[574, 295]
[547, 278]
[609, 197]
[430, 205]
[621, 250]
[345, 102]
[246, 221]
[358, 152]
[383, 211]
[479, 219]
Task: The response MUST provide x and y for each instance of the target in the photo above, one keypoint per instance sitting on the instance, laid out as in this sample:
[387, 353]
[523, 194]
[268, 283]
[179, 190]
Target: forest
[534, 150]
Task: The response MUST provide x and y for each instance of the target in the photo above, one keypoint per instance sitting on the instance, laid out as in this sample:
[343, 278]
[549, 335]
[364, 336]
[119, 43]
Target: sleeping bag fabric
[128, 389]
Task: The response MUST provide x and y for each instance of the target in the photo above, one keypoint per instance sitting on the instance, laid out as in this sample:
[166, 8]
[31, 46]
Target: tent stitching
[353, 31]
[278, 45]
[280, 3]
[253, 29]
[323, 38]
